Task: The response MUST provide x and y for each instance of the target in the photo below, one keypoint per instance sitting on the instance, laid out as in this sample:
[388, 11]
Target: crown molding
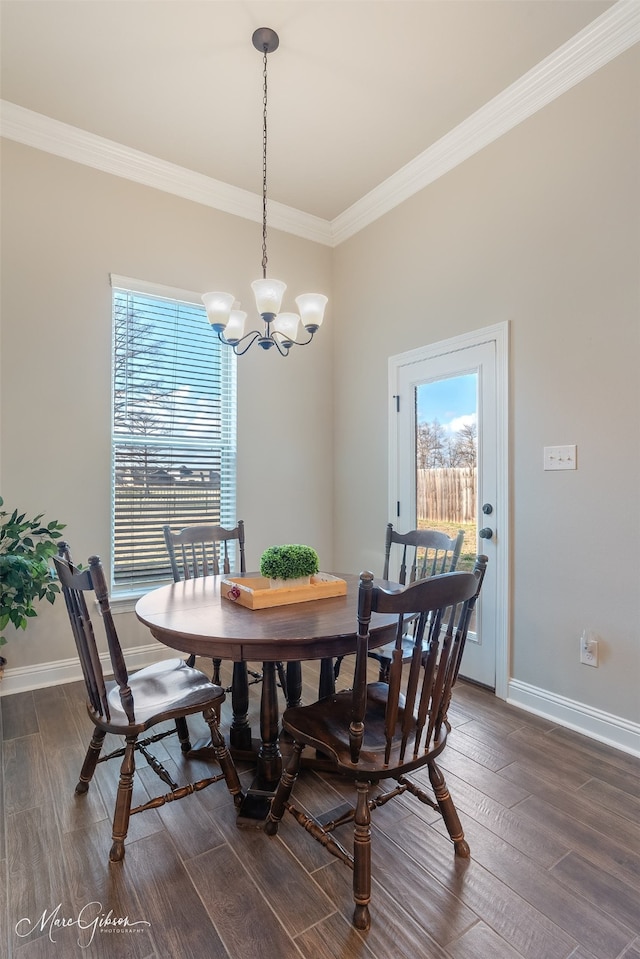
[609, 35]
[71, 143]
[606, 38]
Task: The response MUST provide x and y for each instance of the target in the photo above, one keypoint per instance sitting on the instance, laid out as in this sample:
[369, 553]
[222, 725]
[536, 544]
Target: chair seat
[325, 726]
[164, 688]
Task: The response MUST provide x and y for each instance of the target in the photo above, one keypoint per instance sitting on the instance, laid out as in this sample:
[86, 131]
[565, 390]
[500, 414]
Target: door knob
[486, 533]
[487, 508]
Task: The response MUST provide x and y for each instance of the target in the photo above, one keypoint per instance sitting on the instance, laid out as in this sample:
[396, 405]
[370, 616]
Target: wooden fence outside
[447, 494]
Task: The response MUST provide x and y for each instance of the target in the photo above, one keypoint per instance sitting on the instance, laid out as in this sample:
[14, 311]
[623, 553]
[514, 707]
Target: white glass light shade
[311, 306]
[234, 330]
[268, 294]
[218, 306]
[287, 325]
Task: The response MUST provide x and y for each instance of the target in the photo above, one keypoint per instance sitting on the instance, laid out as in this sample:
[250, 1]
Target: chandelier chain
[281, 330]
[264, 165]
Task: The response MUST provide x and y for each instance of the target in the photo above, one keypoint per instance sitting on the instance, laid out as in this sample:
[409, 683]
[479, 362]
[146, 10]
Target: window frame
[123, 595]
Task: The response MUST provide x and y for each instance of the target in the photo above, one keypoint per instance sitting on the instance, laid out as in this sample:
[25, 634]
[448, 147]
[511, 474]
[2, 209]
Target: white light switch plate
[560, 458]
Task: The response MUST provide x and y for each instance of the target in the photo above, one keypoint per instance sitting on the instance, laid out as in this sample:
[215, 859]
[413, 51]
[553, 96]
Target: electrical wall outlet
[560, 458]
[588, 649]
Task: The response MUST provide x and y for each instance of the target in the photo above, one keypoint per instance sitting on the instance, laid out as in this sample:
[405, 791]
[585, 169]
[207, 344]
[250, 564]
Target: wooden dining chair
[130, 704]
[204, 551]
[380, 731]
[423, 552]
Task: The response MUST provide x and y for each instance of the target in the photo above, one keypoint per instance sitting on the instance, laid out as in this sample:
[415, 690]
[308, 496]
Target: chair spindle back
[425, 552]
[418, 696]
[75, 583]
[203, 550]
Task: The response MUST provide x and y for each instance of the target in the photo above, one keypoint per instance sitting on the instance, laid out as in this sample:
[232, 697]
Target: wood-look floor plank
[488, 782]
[36, 880]
[622, 803]
[575, 767]
[26, 777]
[531, 933]
[480, 942]
[3, 847]
[393, 932]
[281, 878]
[180, 924]
[507, 823]
[576, 743]
[97, 887]
[582, 810]
[611, 853]
[408, 879]
[18, 716]
[584, 921]
[64, 753]
[333, 937]
[4, 907]
[226, 887]
[482, 702]
[493, 756]
[606, 891]
[188, 821]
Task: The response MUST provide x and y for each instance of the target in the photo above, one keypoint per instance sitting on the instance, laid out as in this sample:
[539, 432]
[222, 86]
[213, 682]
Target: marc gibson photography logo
[90, 920]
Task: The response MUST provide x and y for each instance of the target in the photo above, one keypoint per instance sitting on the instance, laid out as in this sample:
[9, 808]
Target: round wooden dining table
[195, 616]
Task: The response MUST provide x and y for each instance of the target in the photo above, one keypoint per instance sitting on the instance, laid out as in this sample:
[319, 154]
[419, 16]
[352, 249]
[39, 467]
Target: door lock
[487, 508]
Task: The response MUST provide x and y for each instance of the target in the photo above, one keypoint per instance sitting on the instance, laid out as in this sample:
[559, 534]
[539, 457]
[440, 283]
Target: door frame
[499, 335]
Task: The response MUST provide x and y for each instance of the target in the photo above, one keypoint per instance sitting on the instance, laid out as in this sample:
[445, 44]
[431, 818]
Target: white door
[442, 398]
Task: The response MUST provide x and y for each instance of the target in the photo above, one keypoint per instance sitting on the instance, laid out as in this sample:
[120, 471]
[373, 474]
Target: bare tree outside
[438, 449]
[142, 412]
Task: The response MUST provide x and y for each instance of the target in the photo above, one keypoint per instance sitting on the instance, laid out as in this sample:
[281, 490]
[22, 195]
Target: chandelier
[280, 329]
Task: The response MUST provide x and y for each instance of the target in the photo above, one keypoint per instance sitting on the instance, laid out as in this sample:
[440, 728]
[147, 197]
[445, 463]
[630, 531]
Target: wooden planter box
[256, 593]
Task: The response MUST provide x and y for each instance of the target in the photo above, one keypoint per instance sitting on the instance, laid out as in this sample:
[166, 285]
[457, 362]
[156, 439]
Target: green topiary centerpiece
[284, 564]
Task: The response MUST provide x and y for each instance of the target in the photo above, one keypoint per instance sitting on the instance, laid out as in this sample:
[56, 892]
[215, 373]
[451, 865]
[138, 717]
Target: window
[174, 427]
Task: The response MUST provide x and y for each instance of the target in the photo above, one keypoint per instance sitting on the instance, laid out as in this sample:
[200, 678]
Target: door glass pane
[446, 447]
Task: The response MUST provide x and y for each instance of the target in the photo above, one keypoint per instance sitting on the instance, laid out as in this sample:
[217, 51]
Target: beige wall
[541, 229]
[65, 228]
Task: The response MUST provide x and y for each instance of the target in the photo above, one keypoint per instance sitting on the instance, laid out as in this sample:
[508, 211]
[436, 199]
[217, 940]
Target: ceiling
[357, 89]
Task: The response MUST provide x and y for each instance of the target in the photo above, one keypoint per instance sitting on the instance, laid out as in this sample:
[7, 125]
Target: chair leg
[90, 761]
[282, 678]
[215, 677]
[223, 756]
[183, 734]
[336, 667]
[123, 801]
[383, 674]
[362, 858]
[287, 780]
[449, 812]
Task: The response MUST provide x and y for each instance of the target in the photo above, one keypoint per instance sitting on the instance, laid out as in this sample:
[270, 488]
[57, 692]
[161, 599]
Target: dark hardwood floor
[552, 818]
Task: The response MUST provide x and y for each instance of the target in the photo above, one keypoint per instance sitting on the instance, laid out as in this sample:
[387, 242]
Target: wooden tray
[256, 593]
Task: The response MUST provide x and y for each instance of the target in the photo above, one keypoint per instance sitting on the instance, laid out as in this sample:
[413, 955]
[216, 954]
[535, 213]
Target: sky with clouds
[451, 401]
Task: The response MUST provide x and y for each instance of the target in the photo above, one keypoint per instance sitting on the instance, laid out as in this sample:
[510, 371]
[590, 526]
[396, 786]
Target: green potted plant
[291, 565]
[26, 546]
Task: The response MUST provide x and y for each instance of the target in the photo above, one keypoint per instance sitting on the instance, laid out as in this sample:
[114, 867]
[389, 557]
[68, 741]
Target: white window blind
[174, 429]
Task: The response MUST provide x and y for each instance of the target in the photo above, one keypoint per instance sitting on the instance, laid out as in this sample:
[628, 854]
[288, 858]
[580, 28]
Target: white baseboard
[23, 678]
[591, 722]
